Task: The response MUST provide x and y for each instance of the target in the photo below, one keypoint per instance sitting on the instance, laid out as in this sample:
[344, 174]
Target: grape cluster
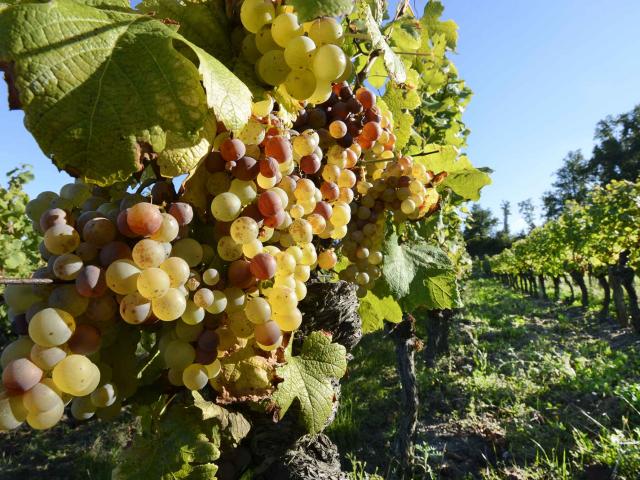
[305, 58]
[116, 266]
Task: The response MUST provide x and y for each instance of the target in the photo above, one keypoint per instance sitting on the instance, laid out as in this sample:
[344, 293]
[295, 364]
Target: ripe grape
[104, 396]
[61, 238]
[299, 52]
[85, 340]
[148, 253]
[76, 375]
[270, 203]
[232, 150]
[99, 231]
[272, 68]
[177, 269]
[263, 266]
[278, 148]
[268, 335]
[285, 27]
[179, 354]
[300, 83]
[226, 207]
[189, 250]
[52, 217]
[329, 63]
[153, 283]
[51, 327]
[195, 377]
[258, 310]
[244, 230]
[228, 249]
[256, 13]
[67, 266]
[122, 276]
[135, 309]
[168, 231]
[170, 306]
[46, 357]
[40, 398]
[46, 419]
[325, 30]
[239, 274]
[288, 321]
[21, 375]
[144, 219]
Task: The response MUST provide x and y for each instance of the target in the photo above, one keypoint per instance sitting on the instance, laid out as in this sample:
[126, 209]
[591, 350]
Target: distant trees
[571, 183]
[480, 233]
[528, 212]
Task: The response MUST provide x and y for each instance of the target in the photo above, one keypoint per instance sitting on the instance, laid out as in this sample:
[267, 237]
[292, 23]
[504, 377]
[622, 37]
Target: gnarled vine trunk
[578, 277]
[543, 288]
[556, 288]
[404, 338]
[618, 296]
[606, 301]
[627, 275]
[438, 326]
[572, 298]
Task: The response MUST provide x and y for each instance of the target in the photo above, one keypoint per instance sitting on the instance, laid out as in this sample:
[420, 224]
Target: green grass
[531, 390]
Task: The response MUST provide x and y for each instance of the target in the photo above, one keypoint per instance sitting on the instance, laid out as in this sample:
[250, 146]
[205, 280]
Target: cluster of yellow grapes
[305, 58]
[115, 261]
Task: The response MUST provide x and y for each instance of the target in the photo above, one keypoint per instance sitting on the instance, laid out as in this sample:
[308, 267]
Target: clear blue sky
[543, 72]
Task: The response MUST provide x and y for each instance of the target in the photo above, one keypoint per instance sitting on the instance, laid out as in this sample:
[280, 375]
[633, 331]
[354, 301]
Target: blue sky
[543, 73]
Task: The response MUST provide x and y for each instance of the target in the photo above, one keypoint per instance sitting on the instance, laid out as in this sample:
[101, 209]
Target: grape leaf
[434, 26]
[416, 274]
[235, 424]
[392, 62]
[181, 446]
[203, 23]
[181, 155]
[307, 378]
[463, 178]
[310, 9]
[374, 311]
[103, 84]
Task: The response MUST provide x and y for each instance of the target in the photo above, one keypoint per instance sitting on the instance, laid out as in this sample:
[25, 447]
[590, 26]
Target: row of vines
[258, 182]
[597, 238]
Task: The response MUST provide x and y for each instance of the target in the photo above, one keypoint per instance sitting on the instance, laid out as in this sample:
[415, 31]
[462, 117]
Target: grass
[531, 390]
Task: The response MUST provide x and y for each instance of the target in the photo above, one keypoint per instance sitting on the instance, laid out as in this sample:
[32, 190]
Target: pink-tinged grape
[232, 150]
[51, 327]
[122, 277]
[177, 269]
[61, 238]
[168, 231]
[279, 148]
[366, 98]
[298, 53]
[20, 348]
[268, 335]
[67, 266]
[144, 219]
[123, 225]
[329, 62]
[310, 164]
[114, 251]
[179, 354]
[135, 309]
[338, 129]
[76, 375]
[317, 222]
[170, 306]
[270, 203]
[325, 30]
[263, 266]
[91, 281]
[21, 375]
[327, 260]
[372, 131]
[330, 191]
[52, 217]
[268, 167]
[182, 212]
[288, 321]
[347, 179]
[99, 231]
[246, 169]
[46, 357]
[153, 283]
[85, 340]
[195, 377]
[40, 398]
[239, 274]
[46, 419]
[148, 253]
[226, 207]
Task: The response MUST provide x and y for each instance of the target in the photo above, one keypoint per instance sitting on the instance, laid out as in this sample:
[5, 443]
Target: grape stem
[152, 356]
[424, 154]
[28, 281]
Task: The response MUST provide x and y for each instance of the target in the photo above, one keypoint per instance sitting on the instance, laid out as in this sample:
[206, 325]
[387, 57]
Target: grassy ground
[531, 390]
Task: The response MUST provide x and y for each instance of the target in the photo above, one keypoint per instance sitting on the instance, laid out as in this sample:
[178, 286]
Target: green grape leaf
[374, 311]
[110, 85]
[463, 178]
[406, 34]
[378, 75]
[203, 23]
[122, 5]
[310, 9]
[307, 378]
[181, 155]
[182, 446]
[235, 424]
[434, 26]
[416, 274]
[392, 62]
[245, 374]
